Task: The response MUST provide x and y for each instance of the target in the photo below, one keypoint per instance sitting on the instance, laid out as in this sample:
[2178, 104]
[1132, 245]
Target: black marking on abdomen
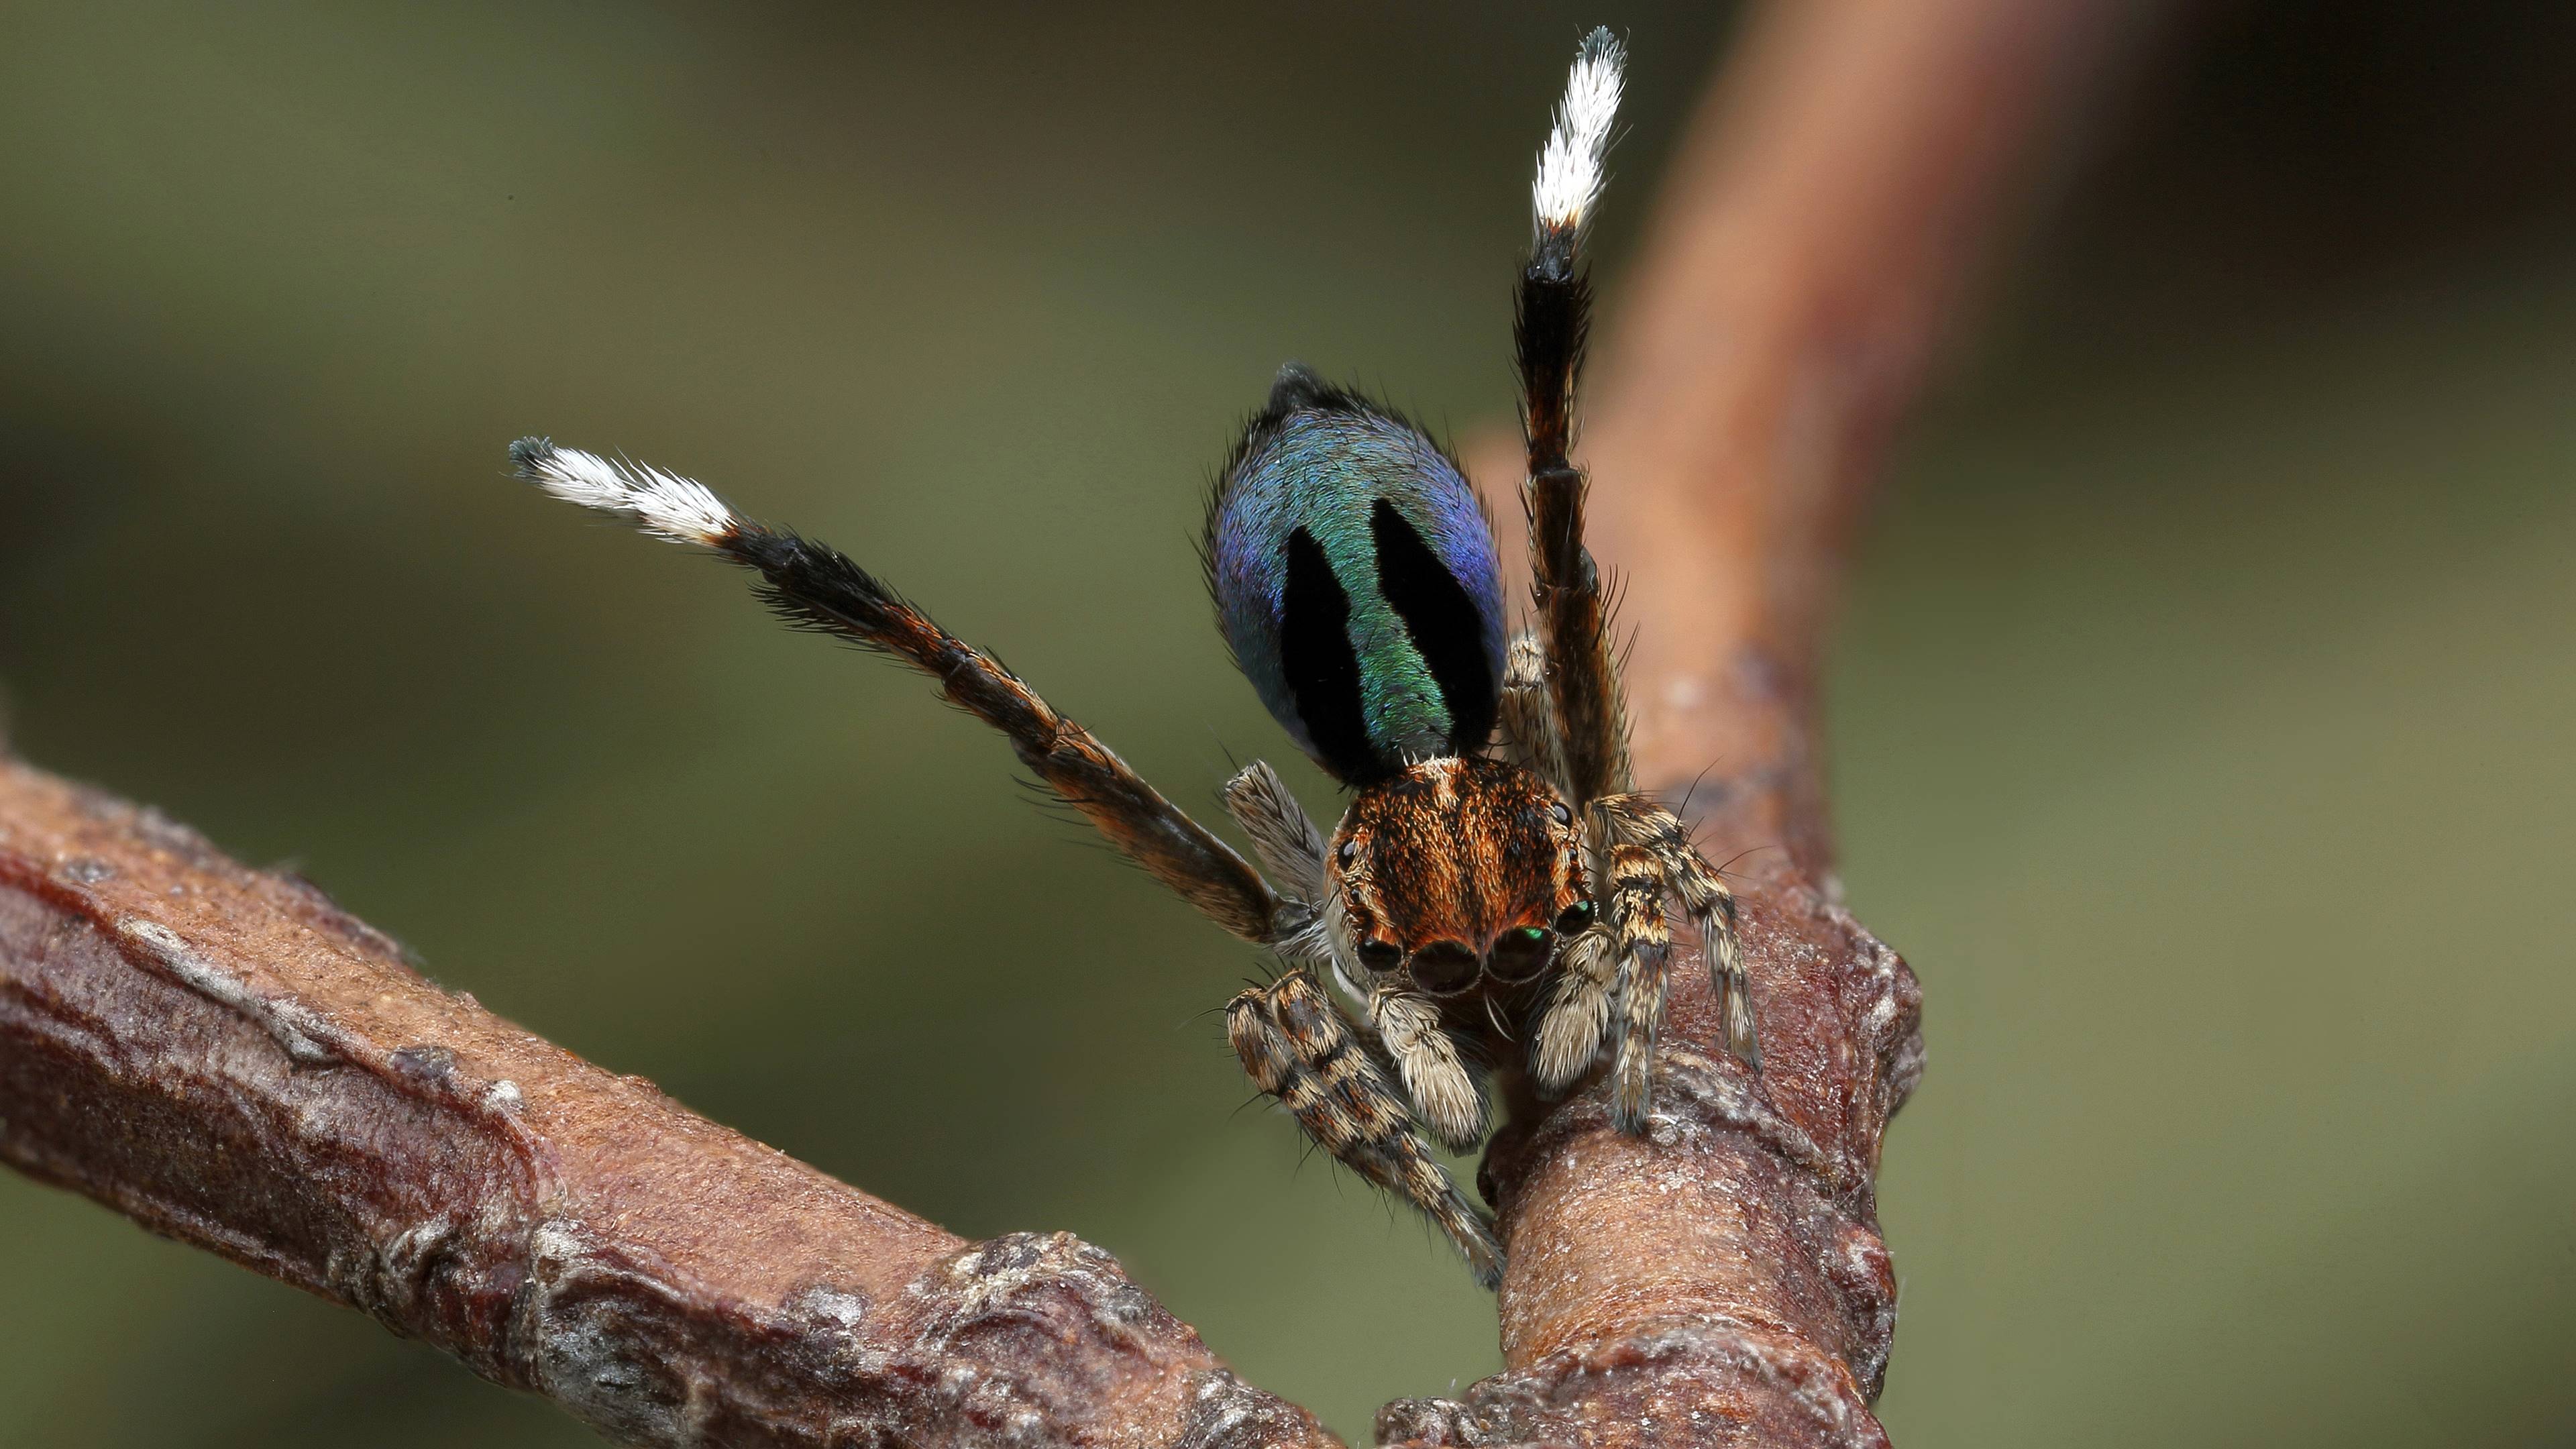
[1441, 618]
[1323, 670]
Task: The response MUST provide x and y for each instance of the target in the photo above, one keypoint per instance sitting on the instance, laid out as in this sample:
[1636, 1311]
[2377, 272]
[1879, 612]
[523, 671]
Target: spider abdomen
[1356, 581]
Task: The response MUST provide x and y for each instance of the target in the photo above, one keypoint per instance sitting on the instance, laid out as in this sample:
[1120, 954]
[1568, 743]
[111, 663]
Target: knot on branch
[1018, 1341]
[1028, 1329]
[1024, 1333]
[1860, 1005]
[399, 1281]
[1710, 1383]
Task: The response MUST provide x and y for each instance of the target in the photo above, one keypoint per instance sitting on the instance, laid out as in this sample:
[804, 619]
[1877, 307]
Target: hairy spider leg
[1552, 318]
[1426, 1060]
[1642, 820]
[1641, 943]
[1289, 845]
[1528, 718]
[813, 586]
[1577, 1016]
[1296, 1046]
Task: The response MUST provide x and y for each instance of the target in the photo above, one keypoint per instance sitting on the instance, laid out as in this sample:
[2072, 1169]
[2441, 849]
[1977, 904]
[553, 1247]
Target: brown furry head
[1455, 870]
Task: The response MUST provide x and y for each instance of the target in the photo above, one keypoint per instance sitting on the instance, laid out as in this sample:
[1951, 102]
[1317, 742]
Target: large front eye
[1381, 955]
[1575, 918]
[1522, 953]
[1445, 968]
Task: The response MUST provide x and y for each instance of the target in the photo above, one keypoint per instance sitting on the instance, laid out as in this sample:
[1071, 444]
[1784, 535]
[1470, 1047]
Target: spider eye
[1349, 852]
[1381, 955]
[1575, 918]
[1522, 953]
[1445, 968]
[1563, 815]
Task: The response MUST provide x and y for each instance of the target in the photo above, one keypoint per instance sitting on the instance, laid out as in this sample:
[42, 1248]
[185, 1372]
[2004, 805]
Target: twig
[229, 1059]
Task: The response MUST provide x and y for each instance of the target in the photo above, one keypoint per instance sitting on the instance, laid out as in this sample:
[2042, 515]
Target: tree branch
[227, 1058]
[1722, 1280]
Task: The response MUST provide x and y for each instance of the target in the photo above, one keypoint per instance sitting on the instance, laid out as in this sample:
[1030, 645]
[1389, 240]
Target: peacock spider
[1496, 878]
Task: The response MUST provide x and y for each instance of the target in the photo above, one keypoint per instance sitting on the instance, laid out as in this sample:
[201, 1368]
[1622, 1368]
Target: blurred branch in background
[229, 1059]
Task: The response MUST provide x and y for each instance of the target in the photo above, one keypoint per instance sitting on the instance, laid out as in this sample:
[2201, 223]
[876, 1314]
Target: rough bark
[229, 1059]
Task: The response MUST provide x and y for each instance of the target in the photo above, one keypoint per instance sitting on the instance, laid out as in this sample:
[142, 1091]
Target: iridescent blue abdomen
[1356, 582]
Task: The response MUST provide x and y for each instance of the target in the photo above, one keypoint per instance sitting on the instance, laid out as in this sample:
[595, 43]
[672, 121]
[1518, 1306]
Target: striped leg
[1642, 821]
[1641, 942]
[1296, 1046]
[814, 586]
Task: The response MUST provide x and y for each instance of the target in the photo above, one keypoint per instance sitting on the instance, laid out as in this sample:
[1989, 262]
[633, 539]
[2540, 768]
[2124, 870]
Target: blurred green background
[2201, 718]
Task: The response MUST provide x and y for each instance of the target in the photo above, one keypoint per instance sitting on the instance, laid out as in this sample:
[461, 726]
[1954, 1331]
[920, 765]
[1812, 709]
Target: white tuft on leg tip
[665, 505]
[1569, 168]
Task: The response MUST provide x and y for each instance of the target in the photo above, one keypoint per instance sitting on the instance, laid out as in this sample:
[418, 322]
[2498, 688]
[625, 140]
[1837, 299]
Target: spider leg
[1427, 1062]
[1578, 1012]
[1642, 945]
[1553, 318]
[1296, 1046]
[1528, 717]
[1641, 942]
[1641, 820]
[816, 587]
[1286, 840]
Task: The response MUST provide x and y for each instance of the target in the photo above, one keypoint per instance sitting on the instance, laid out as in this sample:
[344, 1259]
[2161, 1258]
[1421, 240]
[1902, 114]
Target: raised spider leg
[1527, 716]
[1641, 820]
[1553, 316]
[1641, 943]
[816, 587]
[1297, 1047]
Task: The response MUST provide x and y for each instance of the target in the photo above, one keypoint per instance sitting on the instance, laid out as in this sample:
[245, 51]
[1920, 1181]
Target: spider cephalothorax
[1455, 873]
[1493, 901]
